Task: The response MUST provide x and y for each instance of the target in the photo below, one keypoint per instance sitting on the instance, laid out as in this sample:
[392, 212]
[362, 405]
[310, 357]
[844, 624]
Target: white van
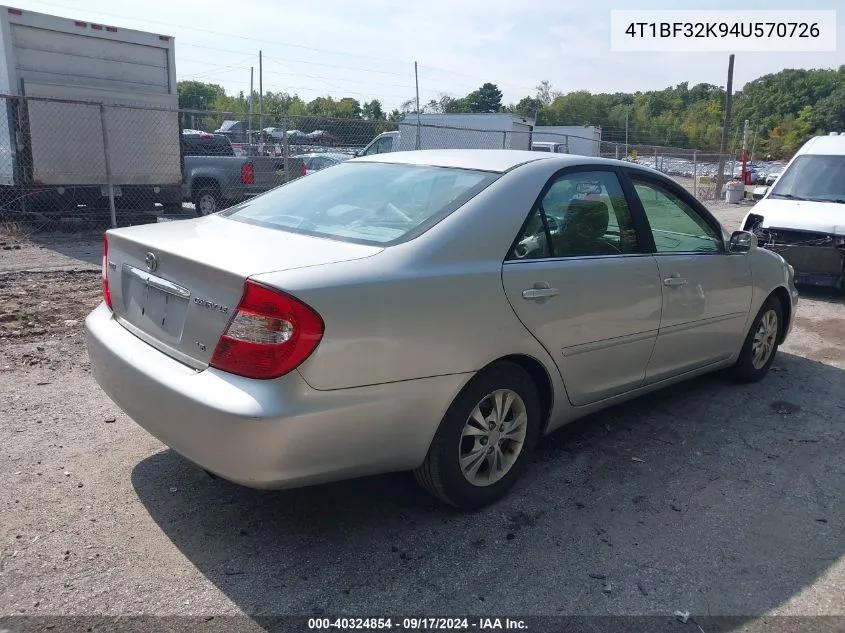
[549, 146]
[802, 216]
[454, 131]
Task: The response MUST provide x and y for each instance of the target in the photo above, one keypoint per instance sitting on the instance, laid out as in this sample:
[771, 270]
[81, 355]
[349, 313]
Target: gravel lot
[711, 498]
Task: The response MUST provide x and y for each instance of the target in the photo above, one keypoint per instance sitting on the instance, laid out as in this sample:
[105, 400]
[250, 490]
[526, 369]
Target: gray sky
[366, 48]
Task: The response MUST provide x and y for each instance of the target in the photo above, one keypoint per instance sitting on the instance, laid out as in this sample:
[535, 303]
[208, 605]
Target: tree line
[783, 110]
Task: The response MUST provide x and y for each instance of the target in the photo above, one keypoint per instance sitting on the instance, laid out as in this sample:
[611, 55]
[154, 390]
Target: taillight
[247, 174]
[270, 335]
[106, 289]
[303, 171]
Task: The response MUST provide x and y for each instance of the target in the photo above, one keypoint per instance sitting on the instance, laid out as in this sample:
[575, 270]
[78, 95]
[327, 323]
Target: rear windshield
[816, 177]
[201, 146]
[371, 203]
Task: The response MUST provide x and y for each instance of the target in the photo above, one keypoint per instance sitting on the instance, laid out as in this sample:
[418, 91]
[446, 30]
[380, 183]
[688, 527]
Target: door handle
[532, 294]
[674, 281]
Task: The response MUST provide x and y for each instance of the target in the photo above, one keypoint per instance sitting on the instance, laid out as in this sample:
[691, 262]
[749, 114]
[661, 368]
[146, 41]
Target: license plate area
[104, 191]
[153, 304]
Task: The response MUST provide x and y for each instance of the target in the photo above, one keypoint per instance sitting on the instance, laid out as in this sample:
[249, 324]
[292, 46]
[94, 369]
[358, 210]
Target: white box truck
[454, 131]
[584, 140]
[87, 110]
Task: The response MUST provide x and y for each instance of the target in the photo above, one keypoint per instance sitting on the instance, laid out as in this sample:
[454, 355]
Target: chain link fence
[696, 170]
[81, 165]
[86, 164]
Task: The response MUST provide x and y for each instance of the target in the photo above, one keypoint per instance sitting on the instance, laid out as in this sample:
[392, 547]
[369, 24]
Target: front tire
[761, 345]
[485, 440]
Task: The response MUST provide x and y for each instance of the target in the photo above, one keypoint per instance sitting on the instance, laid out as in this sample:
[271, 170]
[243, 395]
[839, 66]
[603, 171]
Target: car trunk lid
[176, 285]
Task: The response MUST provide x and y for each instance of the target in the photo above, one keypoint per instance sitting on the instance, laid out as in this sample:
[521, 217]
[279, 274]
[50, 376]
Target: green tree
[830, 111]
[348, 108]
[488, 98]
[791, 133]
[372, 111]
[545, 93]
[532, 107]
[196, 95]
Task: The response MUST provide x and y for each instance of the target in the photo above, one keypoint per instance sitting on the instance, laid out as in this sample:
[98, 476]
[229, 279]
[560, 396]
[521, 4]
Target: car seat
[584, 228]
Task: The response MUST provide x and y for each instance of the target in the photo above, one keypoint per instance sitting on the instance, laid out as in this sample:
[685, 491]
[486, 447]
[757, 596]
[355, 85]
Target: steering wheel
[527, 246]
[299, 222]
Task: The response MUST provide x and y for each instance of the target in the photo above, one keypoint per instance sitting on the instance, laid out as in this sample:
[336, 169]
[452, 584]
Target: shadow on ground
[821, 293]
[710, 497]
[85, 247]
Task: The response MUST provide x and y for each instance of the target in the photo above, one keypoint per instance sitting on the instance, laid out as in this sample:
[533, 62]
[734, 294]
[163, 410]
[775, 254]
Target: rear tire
[761, 345]
[207, 201]
[485, 440]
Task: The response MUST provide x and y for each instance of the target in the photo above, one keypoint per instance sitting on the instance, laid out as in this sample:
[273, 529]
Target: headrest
[588, 219]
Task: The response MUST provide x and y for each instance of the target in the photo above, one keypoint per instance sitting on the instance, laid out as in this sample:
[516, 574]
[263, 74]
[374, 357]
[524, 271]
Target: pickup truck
[214, 178]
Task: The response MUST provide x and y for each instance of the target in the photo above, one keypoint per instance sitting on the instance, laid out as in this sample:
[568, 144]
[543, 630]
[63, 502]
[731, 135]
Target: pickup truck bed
[213, 178]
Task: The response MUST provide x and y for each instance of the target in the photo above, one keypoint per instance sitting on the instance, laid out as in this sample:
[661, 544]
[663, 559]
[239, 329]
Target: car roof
[824, 145]
[494, 160]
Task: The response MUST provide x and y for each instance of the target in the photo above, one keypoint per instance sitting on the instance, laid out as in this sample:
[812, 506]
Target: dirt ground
[710, 498]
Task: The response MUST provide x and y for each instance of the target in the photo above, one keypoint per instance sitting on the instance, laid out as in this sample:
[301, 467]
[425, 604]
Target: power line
[311, 89]
[319, 77]
[222, 68]
[287, 44]
[210, 32]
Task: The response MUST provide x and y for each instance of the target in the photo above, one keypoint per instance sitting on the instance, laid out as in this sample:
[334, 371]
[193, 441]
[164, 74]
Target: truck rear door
[96, 67]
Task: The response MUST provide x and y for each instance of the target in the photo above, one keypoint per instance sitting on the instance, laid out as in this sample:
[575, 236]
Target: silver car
[434, 311]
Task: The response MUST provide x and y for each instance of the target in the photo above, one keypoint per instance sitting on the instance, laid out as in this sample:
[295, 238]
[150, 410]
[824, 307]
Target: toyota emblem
[151, 261]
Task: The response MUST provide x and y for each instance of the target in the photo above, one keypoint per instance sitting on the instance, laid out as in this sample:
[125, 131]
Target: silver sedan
[433, 311]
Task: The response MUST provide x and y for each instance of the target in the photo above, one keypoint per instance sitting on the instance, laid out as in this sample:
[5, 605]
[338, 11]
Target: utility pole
[627, 107]
[745, 152]
[251, 92]
[720, 174]
[260, 100]
[417, 82]
[753, 144]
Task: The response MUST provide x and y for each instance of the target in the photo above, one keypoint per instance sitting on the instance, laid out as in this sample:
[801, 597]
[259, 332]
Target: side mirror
[759, 192]
[742, 242]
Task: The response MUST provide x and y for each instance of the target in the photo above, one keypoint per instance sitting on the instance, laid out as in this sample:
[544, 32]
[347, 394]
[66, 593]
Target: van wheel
[485, 440]
[207, 201]
[761, 344]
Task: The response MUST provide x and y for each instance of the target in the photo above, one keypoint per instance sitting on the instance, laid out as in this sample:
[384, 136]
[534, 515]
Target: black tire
[441, 475]
[206, 199]
[744, 370]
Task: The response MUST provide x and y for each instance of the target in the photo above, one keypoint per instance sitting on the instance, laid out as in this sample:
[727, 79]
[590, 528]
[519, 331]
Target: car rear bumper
[266, 433]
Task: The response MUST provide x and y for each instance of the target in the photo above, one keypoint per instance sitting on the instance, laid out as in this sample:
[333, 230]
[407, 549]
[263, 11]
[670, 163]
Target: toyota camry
[429, 311]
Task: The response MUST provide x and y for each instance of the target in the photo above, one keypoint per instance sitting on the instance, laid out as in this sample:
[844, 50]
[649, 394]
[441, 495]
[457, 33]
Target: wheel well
[541, 379]
[783, 296]
[201, 183]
